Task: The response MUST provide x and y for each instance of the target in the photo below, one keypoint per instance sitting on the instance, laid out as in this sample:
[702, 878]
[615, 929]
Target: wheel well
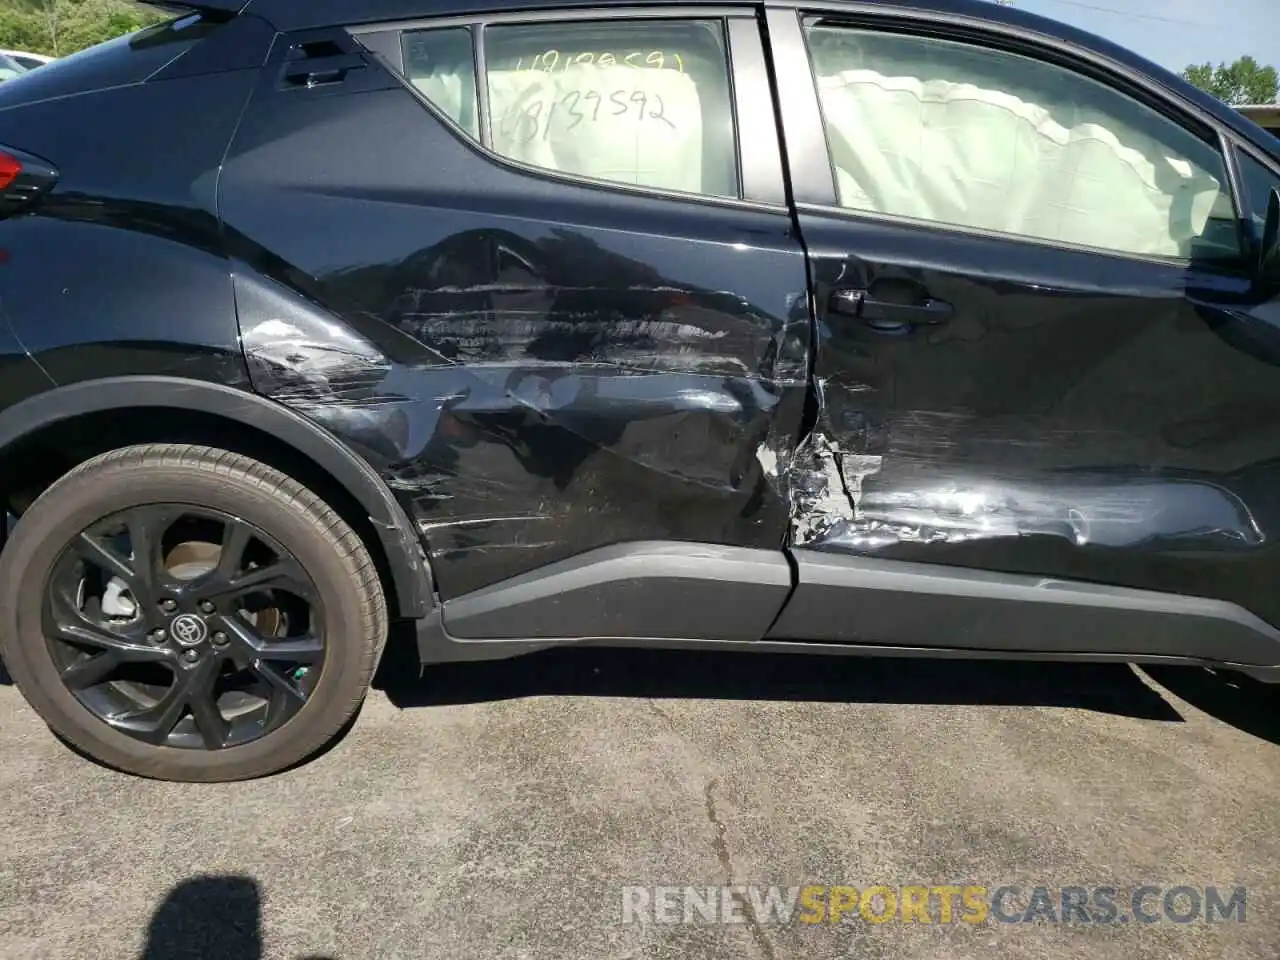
[31, 465]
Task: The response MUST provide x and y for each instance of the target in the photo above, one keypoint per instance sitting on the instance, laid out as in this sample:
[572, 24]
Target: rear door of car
[1040, 346]
[573, 303]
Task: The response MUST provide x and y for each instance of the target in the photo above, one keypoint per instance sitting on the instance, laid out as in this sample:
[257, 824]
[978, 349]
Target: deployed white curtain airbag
[450, 92]
[956, 151]
[620, 123]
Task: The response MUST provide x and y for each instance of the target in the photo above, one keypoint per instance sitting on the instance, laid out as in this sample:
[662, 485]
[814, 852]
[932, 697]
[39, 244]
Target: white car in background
[28, 61]
[10, 68]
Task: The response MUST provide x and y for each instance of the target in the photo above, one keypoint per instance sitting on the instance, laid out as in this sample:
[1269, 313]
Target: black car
[837, 327]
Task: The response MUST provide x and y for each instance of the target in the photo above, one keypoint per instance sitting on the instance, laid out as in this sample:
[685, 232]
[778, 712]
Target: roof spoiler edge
[214, 9]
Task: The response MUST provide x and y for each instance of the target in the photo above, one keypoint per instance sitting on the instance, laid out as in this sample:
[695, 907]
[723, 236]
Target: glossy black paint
[122, 271]
[124, 62]
[20, 376]
[538, 367]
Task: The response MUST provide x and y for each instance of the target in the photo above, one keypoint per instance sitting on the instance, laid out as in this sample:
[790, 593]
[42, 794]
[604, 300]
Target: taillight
[10, 168]
[24, 177]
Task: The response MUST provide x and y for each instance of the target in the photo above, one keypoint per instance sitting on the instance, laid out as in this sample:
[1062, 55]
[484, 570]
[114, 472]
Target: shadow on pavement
[1243, 702]
[1233, 698]
[598, 672]
[209, 918]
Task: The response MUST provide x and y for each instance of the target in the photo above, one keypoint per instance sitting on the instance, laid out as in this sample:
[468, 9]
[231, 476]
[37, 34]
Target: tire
[350, 616]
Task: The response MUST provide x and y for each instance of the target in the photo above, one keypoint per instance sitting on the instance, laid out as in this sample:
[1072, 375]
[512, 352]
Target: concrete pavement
[498, 811]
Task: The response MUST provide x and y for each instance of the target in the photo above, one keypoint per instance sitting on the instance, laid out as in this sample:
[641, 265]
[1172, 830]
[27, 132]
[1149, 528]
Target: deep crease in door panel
[523, 416]
[537, 366]
[1137, 450]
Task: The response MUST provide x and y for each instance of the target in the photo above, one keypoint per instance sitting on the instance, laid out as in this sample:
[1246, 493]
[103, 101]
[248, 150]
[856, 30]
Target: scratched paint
[312, 362]
[539, 419]
[847, 501]
[518, 436]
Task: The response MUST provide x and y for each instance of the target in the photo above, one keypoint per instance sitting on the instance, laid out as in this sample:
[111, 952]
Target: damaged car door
[555, 296]
[1026, 274]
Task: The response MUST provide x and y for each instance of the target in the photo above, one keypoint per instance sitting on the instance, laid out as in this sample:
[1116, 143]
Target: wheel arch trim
[399, 539]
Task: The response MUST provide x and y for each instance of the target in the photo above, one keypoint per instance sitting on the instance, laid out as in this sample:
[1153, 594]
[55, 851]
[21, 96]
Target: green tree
[1244, 81]
[61, 27]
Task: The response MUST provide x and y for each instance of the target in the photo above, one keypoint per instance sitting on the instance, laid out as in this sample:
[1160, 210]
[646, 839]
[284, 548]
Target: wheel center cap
[189, 630]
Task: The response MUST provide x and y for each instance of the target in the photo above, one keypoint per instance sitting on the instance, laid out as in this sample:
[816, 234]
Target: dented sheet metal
[1025, 496]
[1066, 415]
[524, 415]
[846, 502]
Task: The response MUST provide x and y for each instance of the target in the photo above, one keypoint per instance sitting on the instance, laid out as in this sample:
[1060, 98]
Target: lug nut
[219, 639]
[158, 636]
[168, 606]
[192, 656]
[206, 606]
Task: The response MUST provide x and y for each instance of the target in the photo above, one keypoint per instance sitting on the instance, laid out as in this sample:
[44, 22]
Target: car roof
[290, 15]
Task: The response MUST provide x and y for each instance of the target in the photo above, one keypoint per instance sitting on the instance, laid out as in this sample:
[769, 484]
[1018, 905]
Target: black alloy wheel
[187, 613]
[184, 626]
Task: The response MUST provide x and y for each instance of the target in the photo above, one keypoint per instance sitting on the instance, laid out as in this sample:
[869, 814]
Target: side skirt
[699, 596]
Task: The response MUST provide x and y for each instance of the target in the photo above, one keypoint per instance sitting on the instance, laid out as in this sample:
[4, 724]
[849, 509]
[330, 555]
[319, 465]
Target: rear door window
[644, 102]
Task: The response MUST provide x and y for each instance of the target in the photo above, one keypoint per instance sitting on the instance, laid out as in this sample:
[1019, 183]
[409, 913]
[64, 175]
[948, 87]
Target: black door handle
[927, 311]
[322, 70]
[859, 303]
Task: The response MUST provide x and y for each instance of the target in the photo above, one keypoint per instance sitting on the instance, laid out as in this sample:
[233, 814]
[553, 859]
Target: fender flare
[399, 538]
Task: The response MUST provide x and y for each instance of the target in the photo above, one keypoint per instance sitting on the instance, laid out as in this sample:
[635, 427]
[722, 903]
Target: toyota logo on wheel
[189, 630]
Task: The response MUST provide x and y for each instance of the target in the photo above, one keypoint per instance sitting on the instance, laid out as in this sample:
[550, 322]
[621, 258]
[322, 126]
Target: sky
[1175, 33]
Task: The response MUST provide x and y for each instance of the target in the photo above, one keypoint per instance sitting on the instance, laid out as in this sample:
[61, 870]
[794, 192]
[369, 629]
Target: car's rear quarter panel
[120, 270]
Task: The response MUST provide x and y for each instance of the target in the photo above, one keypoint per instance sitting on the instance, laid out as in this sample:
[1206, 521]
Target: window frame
[1248, 213]
[813, 178]
[760, 174]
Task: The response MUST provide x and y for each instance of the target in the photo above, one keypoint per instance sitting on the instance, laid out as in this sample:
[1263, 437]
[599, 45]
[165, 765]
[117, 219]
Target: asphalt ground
[503, 810]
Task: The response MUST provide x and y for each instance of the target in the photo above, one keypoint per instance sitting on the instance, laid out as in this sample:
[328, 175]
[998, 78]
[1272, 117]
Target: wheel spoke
[283, 575]
[193, 692]
[306, 649]
[147, 526]
[281, 707]
[243, 636]
[293, 650]
[100, 555]
[277, 680]
[262, 656]
[92, 670]
[236, 537]
[65, 622]
[121, 648]
[153, 724]
[200, 697]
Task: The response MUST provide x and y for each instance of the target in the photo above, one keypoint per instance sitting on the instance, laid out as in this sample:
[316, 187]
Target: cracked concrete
[503, 811]
[721, 845]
